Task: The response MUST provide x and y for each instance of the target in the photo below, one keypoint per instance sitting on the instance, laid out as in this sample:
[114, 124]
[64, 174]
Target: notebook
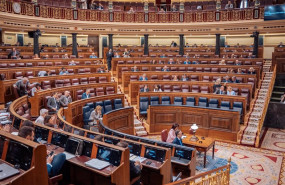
[97, 164]
[137, 158]
[69, 155]
[7, 171]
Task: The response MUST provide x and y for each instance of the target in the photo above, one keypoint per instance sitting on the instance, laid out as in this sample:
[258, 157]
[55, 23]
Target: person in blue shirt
[86, 95]
[165, 68]
[162, 56]
[178, 139]
[230, 91]
[143, 77]
[227, 79]
[251, 71]
[116, 55]
[195, 62]
[135, 69]
[170, 61]
[93, 56]
[187, 61]
[235, 80]
[184, 78]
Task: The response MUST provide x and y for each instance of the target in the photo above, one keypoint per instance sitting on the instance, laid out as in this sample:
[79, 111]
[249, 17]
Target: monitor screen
[154, 154]
[41, 134]
[90, 135]
[274, 12]
[184, 154]
[19, 154]
[110, 155]
[87, 148]
[59, 139]
[111, 140]
[72, 145]
[135, 148]
[108, 132]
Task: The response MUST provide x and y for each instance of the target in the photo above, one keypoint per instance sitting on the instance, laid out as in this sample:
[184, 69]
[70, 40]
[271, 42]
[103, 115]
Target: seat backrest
[118, 103]
[194, 78]
[143, 103]
[59, 83]
[166, 77]
[178, 101]
[133, 78]
[154, 100]
[86, 114]
[164, 134]
[165, 100]
[225, 105]
[83, 81]
[75, 81]
[66, 82]
[101, 104]
[110, 90]
[203, 102]
[102, 79]
[92, 80]
[213, 103]
[100, 91]
[238, 106]
[204, 89]
[79, 94]
[108, 106]
[195, 88]
[167, 88]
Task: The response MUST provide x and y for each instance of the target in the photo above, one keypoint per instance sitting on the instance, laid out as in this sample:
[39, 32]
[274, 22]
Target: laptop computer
[71, 148]
[97, 164]
[7, 171]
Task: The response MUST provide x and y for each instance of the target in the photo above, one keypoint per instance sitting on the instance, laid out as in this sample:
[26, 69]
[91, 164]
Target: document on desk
[97, 164]
[137, 158]
[7, 171]
[69, 155]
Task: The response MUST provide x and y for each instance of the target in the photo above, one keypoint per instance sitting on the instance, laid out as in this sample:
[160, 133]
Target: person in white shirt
[230, 91]
[95, 115]
[41, 118]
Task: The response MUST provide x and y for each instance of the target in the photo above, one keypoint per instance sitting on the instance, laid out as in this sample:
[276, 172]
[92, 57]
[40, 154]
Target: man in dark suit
[221, 90]
[14, 54]
[110, 55]
[178, 139]
[53, 102]
[86, 95]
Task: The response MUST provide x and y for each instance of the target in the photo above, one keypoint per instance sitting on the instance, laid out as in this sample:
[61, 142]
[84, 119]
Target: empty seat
[12, 65]
[215, 70]
[83, 81]
[204, 89]
[190, 101]
[203, 102]
[52, 73]
[224, 70]
[247, 63]
[48, 63]
[204, 61]
[70, 71]
[103, 79]
[165, 100]
[178, 101]
[87, 70]
[29, 74]
[158, 68]
[173, 68]
[18, 75]
[108, 106]
[20, 64]
[90, 105]
[110, 90]
[182, 69]
[143, 105]
[225, 105]
[92, 92]
[144, 68]
[194, 78]
[166, 77]
[118, 103]
[66, 82]
[167, 88]
[75, 81]
[191, 69]
[195, 88]
[213, 103]
[154, 77]
[154, 100]
[100, 91]
[130, 62]
[199, 69]
[92, 80]
[176, 88]
[207, 69]
[57, 63]
[137, 62]
[79, 94]
[59, 83]
[46, 85]
[185, 88]
[86, 114]
[214, 62]
[238, 107]
[133, 78]
[81, 71]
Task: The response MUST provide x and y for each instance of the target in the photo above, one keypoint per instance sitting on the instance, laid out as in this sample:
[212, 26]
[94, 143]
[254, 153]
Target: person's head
[175, 77]
[135, 67]
[250, 54]
[116, 53]
[36, 56]
[251, 69]
[14, 49]
[27, 133]
[155, 86]
[38, 86]
[93, 53]
[25, 80]
[43, 112]
[66, 55]
[222, 88]
[49, 119]
[66, 93]
[171, 60]
[98, 138]
[27, 123]
[55, 94]
[63, 69]
[175, 126]
[145, 87]
[222, 62]
[87, 91]
[144, 75]
[234, 78]
[98, 109]
[123, 144]
[56, 44]
[110, 50]
[227, 77]
[281, 43]
[230, 88]
[126, 49]
[229, 2]
[178, 134]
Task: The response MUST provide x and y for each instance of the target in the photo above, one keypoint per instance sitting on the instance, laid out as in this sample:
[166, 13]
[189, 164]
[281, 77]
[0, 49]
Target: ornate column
[146, 51]
[181, 44]
[255, 35]
[218, 47]
[74, 44]
[110, 41]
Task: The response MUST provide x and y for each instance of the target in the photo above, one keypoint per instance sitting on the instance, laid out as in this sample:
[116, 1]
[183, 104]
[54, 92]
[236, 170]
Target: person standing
[22, 86]
[110, 55]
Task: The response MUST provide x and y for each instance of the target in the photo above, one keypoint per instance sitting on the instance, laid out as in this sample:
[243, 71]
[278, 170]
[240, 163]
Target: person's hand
[138, 163]
[48, 152]
[49, 159]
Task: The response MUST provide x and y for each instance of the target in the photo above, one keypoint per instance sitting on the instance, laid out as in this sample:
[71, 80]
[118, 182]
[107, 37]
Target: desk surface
[205, 143]
[8, 180]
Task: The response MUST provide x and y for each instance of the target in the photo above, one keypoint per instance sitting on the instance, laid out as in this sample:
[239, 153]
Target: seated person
[65, 99]
[93, 56]
[135, 167]
[72, 63]
[86, 94]
[63, 71]
[178, 139]
[217, 85]
[143, 77]
[55, 50]
[95, 115]
[65, 56]
[227, 79]
[54, 162]
[184, 78]
[152, 62]
[131, 10]
[233, 56]
[14, 54]
[229, 5]
[116, 55]
[250, 55]
[195, 62]
[226, 45]
[126, 53]
[230, 91]
[162, 56]
[51, 121]
[37, 88]
[175, 78]
[134, 69]
[187, 45]
[101, 70]
[171, 134]
[231, 70]
[161, 10]
[187, 61]
[144, 89]
[42, 73]
[157, 88]
[237, 63]
[100, 7]
[36, 56]
[41, 118]
[280, 45]
[22, 86]
[220, 90]
[222, 62]
[173, 8]
[239, 71]
[165, 68]
[251, 71]
[187, 55]
[53, 102]
[171, 61]
[235, 80]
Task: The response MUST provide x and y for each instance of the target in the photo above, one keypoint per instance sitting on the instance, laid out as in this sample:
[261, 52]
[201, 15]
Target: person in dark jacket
[178, 139]
[110, 55]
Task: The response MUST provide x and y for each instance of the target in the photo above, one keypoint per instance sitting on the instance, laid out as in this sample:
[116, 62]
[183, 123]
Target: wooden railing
[267, 100]
[31, 9]
[218, 176]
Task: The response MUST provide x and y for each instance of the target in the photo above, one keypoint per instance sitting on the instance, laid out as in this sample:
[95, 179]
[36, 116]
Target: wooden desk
[205, 146]
[12, 178]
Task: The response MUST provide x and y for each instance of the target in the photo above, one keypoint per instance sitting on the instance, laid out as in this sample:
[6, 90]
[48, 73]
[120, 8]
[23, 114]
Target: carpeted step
[142, 133]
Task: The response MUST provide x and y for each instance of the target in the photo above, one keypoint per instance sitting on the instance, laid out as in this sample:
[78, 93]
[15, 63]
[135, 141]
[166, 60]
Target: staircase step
[141, 133]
